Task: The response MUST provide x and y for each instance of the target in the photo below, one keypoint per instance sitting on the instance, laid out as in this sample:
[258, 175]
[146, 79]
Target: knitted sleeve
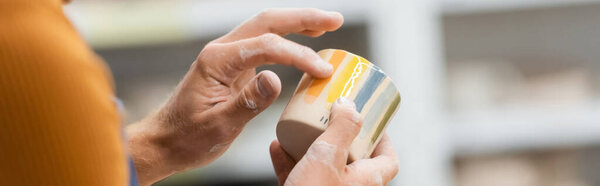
[58, 122]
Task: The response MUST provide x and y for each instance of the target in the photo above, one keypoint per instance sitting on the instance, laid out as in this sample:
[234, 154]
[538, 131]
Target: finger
[282, 162]
[284, 21]
[266, 49]
[256, 96]
[378, 170]
[384, 148]
[333, 145]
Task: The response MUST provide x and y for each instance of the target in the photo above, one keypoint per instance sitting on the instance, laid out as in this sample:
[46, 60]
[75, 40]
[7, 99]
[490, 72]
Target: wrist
[148, 153]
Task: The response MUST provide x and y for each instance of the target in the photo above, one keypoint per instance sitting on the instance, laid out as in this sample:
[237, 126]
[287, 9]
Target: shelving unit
[180, 20]
[535, 129]
[193, 19]
[551, 35]
[476, 6]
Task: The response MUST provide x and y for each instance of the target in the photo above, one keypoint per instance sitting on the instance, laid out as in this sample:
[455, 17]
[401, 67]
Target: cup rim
[379, 69]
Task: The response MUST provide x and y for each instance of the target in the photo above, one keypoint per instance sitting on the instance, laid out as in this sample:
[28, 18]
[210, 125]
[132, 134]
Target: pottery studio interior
[494, 93]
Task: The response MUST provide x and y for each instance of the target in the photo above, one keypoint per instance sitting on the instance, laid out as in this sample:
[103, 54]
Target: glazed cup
[307, 114]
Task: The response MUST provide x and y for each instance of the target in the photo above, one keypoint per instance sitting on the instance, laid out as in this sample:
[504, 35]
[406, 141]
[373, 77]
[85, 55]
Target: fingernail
[326, 67]
[264, 86]
[346, 102]
[331, 13]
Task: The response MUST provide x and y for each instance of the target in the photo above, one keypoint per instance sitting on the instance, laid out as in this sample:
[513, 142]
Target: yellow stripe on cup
[317, 86]
[348, 78]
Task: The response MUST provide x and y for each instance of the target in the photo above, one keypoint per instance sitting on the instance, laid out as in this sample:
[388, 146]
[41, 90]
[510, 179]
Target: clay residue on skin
[291, 49]
[251, 105]
[217, 147]
[323, 152]
[377, 176]
[246, 54]
[234, 129]
[320, 152]
[378, 179]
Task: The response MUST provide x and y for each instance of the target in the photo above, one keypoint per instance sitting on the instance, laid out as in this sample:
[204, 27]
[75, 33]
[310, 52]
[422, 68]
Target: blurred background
[495, 92]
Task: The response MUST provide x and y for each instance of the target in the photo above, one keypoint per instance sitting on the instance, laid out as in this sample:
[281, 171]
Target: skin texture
[325, 160]
[221, 91]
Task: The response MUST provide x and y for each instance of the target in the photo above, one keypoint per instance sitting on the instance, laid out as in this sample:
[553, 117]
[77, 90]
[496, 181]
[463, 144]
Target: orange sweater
[59, 124]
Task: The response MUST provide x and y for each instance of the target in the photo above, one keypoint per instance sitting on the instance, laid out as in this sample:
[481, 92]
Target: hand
[325, 161]
[221, 92]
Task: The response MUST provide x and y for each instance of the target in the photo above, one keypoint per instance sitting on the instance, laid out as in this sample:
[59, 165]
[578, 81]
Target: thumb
[254, 97]
[333, 145]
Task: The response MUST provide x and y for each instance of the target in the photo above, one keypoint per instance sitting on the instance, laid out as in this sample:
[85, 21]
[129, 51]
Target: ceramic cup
[307, 114]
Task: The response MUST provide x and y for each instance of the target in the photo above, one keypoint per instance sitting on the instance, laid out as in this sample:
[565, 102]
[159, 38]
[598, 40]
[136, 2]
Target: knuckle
[245, 102]
[304, 49]
[265, 13]
[307, 51]
[204, 57]
[206, 53]
[268, 39]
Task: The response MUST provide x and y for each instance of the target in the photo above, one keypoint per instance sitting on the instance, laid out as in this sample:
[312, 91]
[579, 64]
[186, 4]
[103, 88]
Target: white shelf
[516, 129]
[106, 24]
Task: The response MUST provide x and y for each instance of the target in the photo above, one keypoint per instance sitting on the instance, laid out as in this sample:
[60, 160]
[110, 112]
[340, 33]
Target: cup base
[296, 136]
